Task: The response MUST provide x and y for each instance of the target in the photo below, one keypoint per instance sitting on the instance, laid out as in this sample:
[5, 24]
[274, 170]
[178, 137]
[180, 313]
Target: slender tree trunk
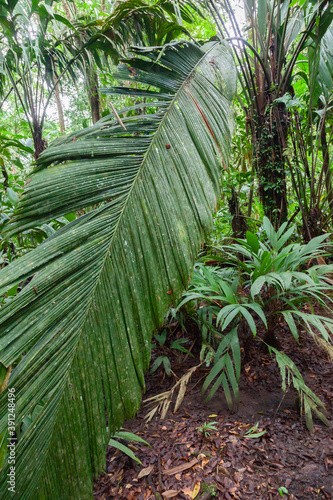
[66, 9]
[59, 105]
[238, 223]
[40, 144]
[93, 95]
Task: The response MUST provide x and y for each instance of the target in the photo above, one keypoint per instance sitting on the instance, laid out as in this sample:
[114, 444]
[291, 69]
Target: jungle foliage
[174, 110]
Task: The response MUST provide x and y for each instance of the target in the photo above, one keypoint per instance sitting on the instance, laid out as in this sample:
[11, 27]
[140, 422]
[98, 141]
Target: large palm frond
[78, 335]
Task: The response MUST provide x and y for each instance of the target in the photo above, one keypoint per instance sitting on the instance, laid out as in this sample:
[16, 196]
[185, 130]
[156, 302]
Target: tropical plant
[176, 345]
[52, 47]
[263, 280]
[80, 331]
[131, 23]
[308, 156]
[267, 54]
[206, 427]
[254, 432]
[119, 439]
[283, 490]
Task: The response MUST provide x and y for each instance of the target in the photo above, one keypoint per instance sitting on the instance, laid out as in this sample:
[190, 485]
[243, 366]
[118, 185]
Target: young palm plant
[78, 335]
[261, 281]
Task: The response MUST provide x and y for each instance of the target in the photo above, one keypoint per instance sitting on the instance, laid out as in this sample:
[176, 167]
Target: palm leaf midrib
[165, 115]
[114, 233]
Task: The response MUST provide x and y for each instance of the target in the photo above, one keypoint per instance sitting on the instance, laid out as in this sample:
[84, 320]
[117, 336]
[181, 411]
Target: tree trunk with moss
[93, 94]
[271, 135]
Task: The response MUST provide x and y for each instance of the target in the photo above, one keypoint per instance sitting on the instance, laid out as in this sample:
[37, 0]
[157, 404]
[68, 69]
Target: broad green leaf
[161, 338]
[103, 283]
[253, 241]
[225, 343]
[291, 323]
[270, 232]
[284, 237]
[257, 285]
[125, 449]
[12, 196]
[232, 379]
[255, 435]
[217, 368]
[167, 366]
[262, 17]
[157, 363]
[214, 387]
[130, 436]
[249, 320]
[224, 369]
[259, 310]
[226, 390]
[227, 314]
[309, 401]
[236, 352]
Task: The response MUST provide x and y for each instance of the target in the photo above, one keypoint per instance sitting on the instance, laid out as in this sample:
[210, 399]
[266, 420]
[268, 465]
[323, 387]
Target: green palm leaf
[79, 333]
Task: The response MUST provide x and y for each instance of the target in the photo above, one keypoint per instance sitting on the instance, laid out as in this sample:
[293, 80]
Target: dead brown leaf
[170, 493]
[181, 468]
[145, 472]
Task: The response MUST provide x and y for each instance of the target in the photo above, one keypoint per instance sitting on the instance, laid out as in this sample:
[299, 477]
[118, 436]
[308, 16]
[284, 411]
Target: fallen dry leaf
[196, 490]
[204, 462]
[180, 468]
[170, 493]
[188, 492]
[145, 472]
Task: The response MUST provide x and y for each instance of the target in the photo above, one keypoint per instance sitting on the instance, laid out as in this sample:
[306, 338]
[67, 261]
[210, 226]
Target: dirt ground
[182, 463]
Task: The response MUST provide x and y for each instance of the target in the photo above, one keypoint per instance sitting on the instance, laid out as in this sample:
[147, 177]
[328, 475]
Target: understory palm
[260, 281]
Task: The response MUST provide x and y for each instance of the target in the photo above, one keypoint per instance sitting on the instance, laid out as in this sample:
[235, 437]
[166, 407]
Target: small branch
[293, 216]
[117, 116]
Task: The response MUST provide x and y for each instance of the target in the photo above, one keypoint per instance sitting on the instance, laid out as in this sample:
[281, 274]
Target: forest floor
[182, 463]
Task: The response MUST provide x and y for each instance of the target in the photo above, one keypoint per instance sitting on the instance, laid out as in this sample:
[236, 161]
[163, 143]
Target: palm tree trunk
[40, 144]
[271, 135]
[238, 223]
[59, 105]
[93, 95]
